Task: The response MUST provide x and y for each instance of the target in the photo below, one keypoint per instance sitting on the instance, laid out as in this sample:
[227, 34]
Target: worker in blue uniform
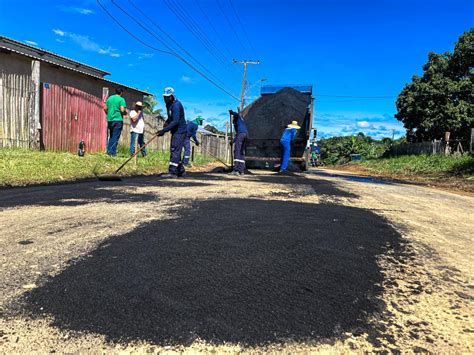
[240, 143]
[191, 130]
[176, 124]
[289, 135]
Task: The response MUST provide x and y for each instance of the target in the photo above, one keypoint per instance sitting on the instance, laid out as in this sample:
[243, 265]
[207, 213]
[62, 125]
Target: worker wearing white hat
[289, 134]
[137, 129]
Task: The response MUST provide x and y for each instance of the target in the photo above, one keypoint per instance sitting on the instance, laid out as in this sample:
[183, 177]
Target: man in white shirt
[137, 128]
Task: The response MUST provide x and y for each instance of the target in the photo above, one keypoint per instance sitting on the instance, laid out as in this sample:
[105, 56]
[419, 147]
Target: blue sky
[342, 48]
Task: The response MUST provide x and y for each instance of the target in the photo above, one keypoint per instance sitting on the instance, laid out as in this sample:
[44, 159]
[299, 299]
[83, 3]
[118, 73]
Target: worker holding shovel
[240, 142]
[191, 130]
[287, 137]
[176, 124]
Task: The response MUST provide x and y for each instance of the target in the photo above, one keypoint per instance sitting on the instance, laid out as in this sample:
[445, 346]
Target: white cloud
[86, 43]
[363, 124]
[145, 55]
[59, 32]
[32, 43]
[77, 10]
[59, 40]
[186, 79]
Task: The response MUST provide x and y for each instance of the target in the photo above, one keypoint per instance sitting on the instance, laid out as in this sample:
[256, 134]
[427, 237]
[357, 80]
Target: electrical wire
[190, 24]
[254, 52]
[167, 52]
[175, 42]
[164, 43]
[214, 29]
[231, 25]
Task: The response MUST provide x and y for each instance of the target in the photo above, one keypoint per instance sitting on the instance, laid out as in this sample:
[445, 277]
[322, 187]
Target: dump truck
[268, 116]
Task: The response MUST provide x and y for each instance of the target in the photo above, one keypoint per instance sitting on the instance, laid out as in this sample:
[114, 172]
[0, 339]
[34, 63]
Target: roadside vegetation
[20, 167]
[338, 150]
[453, 165]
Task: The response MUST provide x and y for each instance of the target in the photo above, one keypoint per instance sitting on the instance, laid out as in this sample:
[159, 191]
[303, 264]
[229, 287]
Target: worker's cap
[294, 124]
[168, 91]
[139, 103]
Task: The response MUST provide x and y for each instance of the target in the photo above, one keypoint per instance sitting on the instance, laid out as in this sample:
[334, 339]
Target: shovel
[114, 176]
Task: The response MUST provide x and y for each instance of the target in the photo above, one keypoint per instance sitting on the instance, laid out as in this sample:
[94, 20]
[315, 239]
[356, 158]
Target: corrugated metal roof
[7, 44]
[272, 89]
[42, 54]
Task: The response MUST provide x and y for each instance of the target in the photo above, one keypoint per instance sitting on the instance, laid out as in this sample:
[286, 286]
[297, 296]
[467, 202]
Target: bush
[337, 150]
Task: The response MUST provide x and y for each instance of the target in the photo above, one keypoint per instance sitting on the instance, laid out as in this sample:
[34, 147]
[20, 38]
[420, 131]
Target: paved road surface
[290, 263]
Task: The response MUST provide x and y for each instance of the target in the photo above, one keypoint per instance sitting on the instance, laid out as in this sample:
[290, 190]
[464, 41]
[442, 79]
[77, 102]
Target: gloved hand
[197, 144]
[233, 114]
[160, 133]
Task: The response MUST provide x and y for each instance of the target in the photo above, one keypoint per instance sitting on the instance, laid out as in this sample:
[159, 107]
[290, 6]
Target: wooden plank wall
[15, 96]
[210, 144]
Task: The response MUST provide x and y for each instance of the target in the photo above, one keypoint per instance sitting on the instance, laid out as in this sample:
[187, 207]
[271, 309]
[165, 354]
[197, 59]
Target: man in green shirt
[115, 108]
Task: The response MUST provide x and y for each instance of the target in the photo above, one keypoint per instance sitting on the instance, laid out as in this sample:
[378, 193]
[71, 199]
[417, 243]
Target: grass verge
[410, 165]
[20, 167]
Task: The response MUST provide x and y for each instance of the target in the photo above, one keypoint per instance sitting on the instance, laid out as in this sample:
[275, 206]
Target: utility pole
[244, 78]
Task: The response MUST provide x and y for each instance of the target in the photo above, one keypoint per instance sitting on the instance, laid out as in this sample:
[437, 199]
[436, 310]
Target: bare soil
[210, 262]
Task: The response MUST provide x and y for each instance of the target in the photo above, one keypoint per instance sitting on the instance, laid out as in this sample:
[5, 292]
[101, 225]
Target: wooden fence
[430, 148]
[15, 101]
[211, 145]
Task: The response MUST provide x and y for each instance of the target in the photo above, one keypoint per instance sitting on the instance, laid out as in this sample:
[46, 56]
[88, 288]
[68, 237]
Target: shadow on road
[76, 194]
[244, 271]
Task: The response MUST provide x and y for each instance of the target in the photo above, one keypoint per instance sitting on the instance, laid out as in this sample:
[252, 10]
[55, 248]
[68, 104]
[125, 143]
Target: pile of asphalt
[268, 116]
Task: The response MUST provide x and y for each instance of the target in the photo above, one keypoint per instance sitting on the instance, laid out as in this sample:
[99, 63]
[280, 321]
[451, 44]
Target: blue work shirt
[176, 123]
[240, 126]
[288, 135]
[191, 131]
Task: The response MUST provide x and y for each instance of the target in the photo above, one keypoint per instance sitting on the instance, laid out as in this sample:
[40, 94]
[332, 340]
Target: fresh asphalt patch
[247, 271]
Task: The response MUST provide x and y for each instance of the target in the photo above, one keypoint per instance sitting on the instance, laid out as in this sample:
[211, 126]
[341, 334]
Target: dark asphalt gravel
[250, 271]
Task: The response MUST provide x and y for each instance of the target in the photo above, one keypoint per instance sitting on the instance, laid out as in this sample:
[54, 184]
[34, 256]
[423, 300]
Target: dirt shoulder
[216, 263]
[455, 184]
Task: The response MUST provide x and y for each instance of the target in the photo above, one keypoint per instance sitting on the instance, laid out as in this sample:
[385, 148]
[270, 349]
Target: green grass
[411, 165]
[19, 167]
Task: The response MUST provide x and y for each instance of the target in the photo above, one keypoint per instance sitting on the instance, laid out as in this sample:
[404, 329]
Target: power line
[190, 24]
[246, 34]
[166, 45]
[386, 97]
[254, 52]
[174, 41]
[214, 29]
[354, 97]
[167, 52]
[160, 39]
[231, 26]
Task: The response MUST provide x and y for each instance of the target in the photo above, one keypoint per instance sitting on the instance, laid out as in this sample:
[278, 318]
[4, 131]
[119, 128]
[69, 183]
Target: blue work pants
[285, 155]
[239, 152]
[134, 137]
[177, 141]
[187, 150]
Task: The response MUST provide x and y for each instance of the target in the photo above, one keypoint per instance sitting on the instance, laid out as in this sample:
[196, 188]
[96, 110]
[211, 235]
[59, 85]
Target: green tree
[441, 99]
[150, 106]
[212, 129]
